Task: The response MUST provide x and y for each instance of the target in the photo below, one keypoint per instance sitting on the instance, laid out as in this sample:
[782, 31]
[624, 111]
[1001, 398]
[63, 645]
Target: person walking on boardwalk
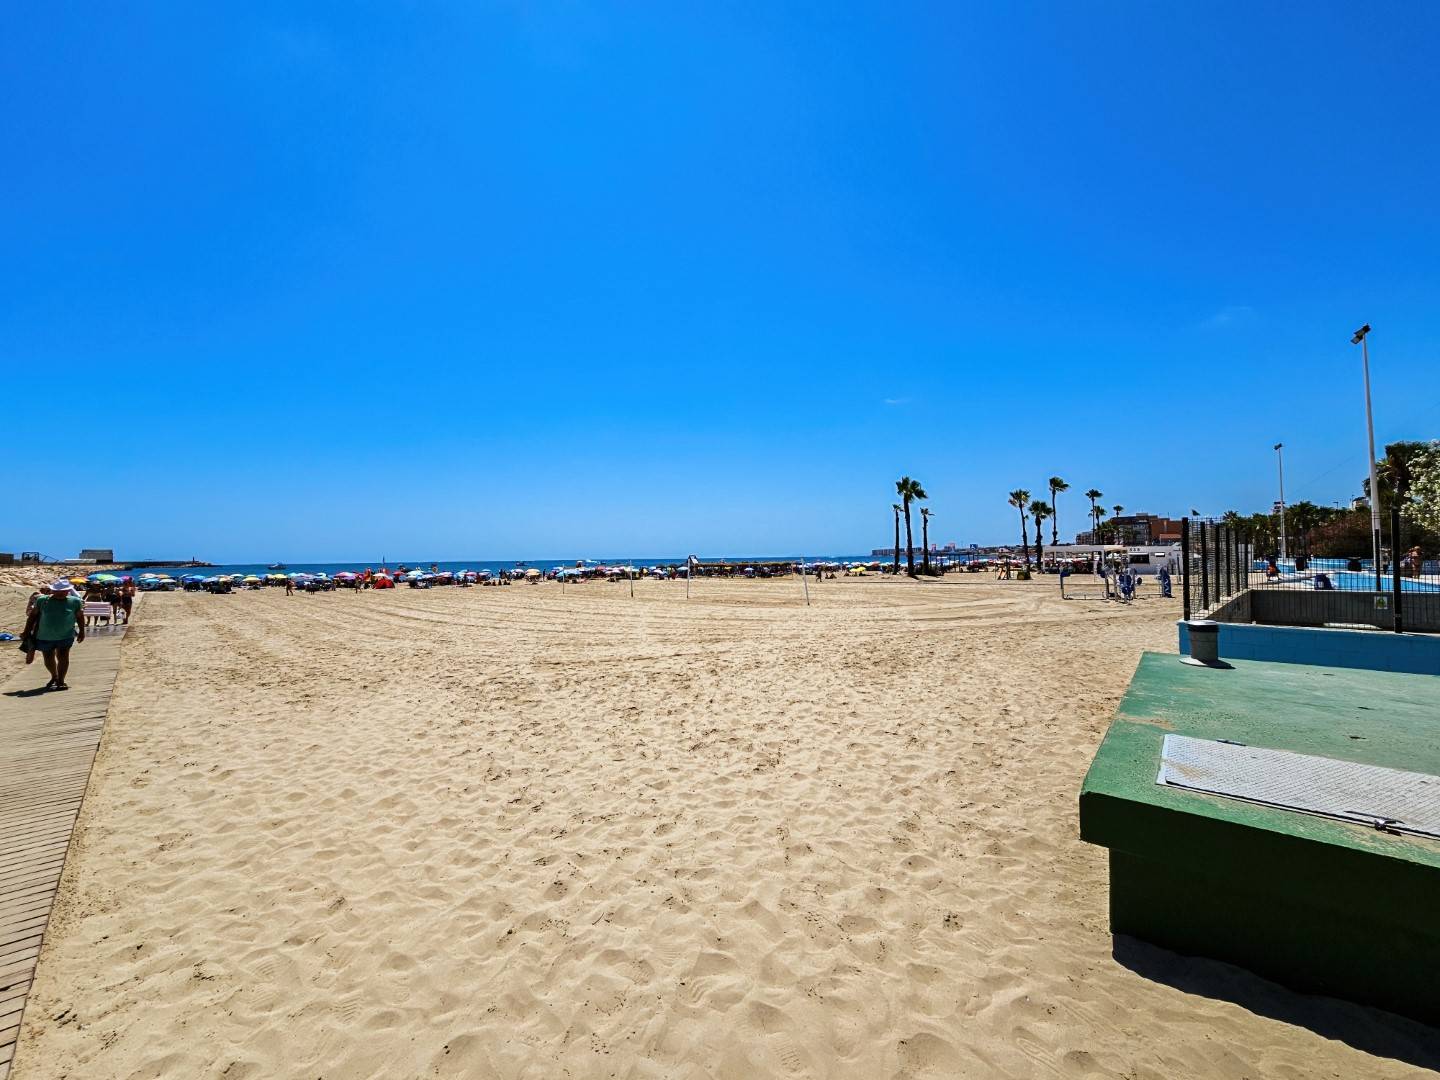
[127, 599]
[56, 622]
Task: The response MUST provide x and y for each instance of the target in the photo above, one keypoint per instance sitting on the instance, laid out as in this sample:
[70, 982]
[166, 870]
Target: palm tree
[1396, 472]
[1092, 495]
[909, 491]
[1020, 499]
[1056, 487]
[1304, 516]
[1040, 510]
[1099, 513]
[896, 508]
[1118, 510]
[925, 539]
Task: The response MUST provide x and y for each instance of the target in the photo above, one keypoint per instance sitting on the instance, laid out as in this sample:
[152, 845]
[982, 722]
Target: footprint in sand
[773, 1025]
[924, 1056]
[714, 979]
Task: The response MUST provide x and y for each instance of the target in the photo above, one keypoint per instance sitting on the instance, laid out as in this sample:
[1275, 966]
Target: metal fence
[1228, 577]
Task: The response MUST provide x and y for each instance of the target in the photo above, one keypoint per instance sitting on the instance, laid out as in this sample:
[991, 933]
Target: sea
[493, 565]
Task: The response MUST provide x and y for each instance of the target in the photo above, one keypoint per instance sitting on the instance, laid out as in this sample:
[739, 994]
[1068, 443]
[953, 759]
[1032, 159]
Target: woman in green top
[56, 623]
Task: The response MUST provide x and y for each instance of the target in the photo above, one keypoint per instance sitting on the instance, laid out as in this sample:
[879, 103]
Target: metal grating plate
[1392, 799]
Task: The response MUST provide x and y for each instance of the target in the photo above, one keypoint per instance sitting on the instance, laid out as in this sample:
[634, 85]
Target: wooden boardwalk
[47, 744]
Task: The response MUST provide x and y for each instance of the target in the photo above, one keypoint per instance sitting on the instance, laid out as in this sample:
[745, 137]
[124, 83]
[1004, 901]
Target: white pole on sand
[1360, 339]
[804, 580]
[632, 583]
[687, 579]
[1280, 461]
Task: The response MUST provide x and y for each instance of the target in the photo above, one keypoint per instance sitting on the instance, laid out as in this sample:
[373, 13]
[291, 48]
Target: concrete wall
[1370, 649]
[1317, 607]
[1235, 610]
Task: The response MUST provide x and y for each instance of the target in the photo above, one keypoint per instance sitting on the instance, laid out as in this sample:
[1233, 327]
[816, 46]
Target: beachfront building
[1140, 558]
[97, 555]
[1135, 529]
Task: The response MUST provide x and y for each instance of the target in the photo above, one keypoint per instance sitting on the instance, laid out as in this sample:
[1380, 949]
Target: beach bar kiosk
[1281, 817]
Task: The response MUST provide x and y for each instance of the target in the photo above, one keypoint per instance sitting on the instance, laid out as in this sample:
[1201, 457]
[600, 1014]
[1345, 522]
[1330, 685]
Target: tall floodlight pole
[1280, 461]
[1359, 339]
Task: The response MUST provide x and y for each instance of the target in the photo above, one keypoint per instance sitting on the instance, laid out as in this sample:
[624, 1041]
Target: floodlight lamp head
[1360, 334]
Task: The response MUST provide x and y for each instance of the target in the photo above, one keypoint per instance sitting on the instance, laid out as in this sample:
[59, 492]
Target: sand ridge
[505, 832]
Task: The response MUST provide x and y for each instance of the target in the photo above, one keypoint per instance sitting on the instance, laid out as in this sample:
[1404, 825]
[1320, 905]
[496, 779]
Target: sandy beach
[505, 832]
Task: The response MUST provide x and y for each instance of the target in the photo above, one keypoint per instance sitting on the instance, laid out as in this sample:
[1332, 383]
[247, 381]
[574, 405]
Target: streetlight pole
[1359, 339]
[1280, 461]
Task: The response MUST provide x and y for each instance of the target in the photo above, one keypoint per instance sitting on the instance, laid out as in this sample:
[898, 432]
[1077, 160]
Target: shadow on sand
[32, 692]
[1373, 1031]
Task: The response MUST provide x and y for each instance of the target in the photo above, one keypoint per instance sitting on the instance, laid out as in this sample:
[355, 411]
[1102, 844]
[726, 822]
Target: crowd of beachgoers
[434, 577]
[100, 582]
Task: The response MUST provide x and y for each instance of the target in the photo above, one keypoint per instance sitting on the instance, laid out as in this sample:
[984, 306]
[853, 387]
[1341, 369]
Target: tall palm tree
[1040, 510]
[1020, 499]
[1092, 495]
[1099, 513]
[925, 539]
[1056, 487]
[1115, 528]
[1304, 516]
[896, 508]
[909, 491]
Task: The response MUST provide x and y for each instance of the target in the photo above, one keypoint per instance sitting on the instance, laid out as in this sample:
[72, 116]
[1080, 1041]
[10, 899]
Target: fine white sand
[505, 832]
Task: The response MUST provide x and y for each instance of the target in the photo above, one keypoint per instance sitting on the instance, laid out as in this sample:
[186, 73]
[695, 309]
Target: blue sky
[552, 280]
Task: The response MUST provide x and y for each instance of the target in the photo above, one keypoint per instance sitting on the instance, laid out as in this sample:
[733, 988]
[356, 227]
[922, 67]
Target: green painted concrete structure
[1319, 905]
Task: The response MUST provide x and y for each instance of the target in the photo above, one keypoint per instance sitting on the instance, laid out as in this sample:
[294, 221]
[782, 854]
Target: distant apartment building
[935, 549]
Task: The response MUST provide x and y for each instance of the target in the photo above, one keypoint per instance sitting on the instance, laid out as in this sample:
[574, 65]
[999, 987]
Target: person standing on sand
[55, 624]
[127, 599]
[289, 586]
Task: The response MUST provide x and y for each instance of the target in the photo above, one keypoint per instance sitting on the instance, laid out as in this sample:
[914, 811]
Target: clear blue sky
[509, 280]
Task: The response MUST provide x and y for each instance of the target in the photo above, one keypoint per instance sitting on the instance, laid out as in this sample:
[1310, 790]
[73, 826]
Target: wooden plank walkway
[47, 744]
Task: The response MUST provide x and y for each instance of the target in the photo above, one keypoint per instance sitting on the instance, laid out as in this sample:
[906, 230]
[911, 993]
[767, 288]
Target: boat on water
[277, 566]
